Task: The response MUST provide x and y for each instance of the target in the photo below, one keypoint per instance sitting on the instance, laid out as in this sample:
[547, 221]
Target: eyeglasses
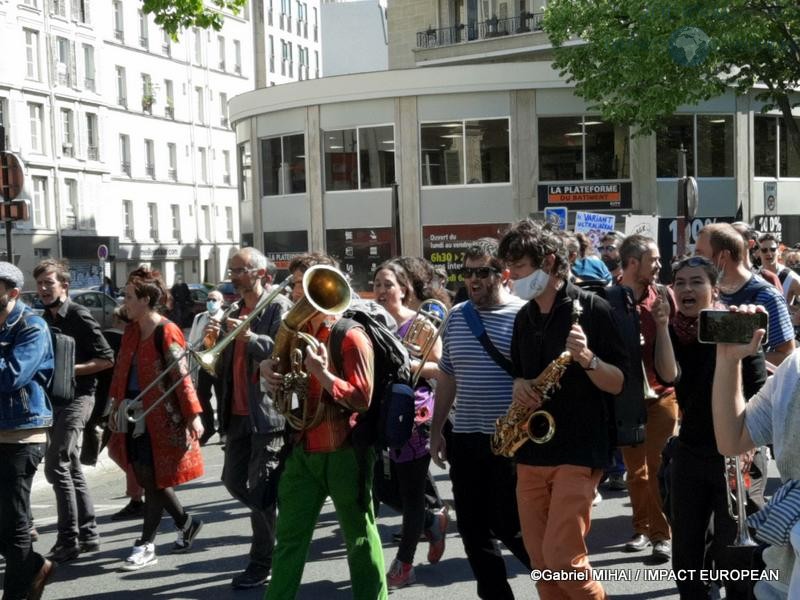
[692, 261]
[770, 250]
[240, 270]
[606, 248]
[482, 272]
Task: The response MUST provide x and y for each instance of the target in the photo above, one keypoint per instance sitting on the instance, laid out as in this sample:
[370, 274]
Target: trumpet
[738, 497]
[129, 410]
[425, 329]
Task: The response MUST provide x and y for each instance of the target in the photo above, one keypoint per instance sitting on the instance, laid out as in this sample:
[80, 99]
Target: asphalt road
[221, 548]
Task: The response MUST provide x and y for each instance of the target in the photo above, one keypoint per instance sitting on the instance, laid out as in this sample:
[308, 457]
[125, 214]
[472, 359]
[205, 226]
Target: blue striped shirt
[758, 291]
[483, 389]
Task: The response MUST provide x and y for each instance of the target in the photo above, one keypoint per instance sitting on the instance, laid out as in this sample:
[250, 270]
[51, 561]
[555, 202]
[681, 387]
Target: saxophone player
[556, 479]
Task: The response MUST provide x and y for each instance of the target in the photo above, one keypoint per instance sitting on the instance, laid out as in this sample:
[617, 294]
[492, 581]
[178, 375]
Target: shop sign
[157, 252]
[786, 228]
[596, 195]
[359, 252]
[444, 245]
[668, 239]
[282, 246]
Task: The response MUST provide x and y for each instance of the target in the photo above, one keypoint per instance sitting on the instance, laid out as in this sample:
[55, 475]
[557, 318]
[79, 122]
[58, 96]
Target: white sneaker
[142, 556]
[598, 498]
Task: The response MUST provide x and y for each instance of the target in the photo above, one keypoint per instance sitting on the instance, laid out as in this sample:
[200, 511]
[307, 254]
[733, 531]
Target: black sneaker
[61, 554]
[92, 545]
[251, 577]
[186, 535]
[133, 510]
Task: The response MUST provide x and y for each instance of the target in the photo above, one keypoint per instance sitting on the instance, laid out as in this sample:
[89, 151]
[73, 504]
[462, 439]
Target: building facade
[125, 136]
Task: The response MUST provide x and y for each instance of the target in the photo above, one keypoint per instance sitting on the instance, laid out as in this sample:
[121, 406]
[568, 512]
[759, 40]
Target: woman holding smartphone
[698, 484]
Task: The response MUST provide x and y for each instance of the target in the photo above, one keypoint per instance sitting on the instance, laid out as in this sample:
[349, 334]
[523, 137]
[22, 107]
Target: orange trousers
[555, 505]
[642, 463]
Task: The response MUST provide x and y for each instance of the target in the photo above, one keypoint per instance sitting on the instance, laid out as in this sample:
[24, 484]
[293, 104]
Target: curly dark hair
[147, 283]
[536, 240]
[304, 262]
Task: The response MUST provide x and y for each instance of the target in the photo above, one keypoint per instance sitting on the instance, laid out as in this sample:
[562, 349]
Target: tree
[636, 61]
[175, 15]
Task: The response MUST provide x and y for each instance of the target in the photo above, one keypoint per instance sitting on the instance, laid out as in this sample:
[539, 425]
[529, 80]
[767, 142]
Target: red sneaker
[436, 535]
[400, 575]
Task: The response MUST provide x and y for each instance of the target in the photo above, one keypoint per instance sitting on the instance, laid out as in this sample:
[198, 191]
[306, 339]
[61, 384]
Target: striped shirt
[483, 389]
[758, 291]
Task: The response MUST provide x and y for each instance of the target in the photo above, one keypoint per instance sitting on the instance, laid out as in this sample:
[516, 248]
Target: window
[271, 54]
[67, 133]
[65, 61]
[144, 36]
[88, 68]
[148, 94]
[226, 167]
[166, 44]
[71, 209]
[291, 61]
[172, 152]
[149, 159]
[32, 54]
[125, 154]
[244, 164]
[40, 203]
[198, 47]
[229, 222]
[175, 210]
[93, 152]
[127, 219]
[203, 164]
[119, 24]
[122, 87]
[58, 8]
[284, 57]
[775, 155]
[36, 115]
[470, 152]
[316, 63]
[169, 105]
[221, 52]
[4, 119]
[152, 213]
[223, 109]
[708, 140]
[200, 104]
[582, 148]
[80, 11]
[31, 3]
[315, 23]
[206, 222]
[237, 57]
[283, 165]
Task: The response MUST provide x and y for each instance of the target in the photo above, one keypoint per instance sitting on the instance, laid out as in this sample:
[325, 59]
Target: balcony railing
[237, 68]
[491, 28]
[128, 233]
[125, 167]
[169, 112]
[166, 49]
[150, 170]
[88, 83]
[226, 179]
[93, 153]
[119, 35]
[173, 174]
[143, 41]
[154, 234]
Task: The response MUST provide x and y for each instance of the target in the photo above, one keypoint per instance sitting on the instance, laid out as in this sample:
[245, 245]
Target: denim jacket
[26, 366]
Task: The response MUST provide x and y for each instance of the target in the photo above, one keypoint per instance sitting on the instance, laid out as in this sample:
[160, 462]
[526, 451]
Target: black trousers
[698, 500]
[205, 383]
[484, 492]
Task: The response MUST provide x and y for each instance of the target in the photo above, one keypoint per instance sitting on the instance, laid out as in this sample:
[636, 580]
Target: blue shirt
[759, 292]
[591, 267]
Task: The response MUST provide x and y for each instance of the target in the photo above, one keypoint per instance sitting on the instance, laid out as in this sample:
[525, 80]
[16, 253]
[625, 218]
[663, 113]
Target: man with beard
[641, 263]
[483, 484]
[252, 426]
[722, 245]
[609, 253]
[77, 526]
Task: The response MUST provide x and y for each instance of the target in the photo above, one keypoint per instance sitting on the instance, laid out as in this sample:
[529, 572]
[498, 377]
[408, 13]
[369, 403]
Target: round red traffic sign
[12, 175]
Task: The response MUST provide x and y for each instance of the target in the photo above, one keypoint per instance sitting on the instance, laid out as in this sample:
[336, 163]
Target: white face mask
[530, 286]
[212, 306]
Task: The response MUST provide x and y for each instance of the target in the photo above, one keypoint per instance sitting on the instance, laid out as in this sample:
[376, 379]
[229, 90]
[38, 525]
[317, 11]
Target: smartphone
[726, 327]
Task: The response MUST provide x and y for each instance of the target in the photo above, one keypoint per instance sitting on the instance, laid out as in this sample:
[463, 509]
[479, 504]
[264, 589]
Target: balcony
[144, 42]
[88, 83]
[173, 174]
[154, 234]
[491, 28]
[223, 121]
[150, 170]
[119, 35]
[128, 233]
[226, 179]
[125, 167]
[221, 65]
[237, 68]
[122, 101]
[166, 49]
[169, 112]
[67, 149]
[93, 153]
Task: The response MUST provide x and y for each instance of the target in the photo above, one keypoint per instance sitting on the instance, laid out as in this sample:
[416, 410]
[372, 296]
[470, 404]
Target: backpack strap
[783, 274]
[158, 339]
[336, 338]
[473, 319]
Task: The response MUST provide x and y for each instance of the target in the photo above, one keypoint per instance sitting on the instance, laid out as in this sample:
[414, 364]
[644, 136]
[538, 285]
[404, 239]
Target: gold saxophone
[521, 423]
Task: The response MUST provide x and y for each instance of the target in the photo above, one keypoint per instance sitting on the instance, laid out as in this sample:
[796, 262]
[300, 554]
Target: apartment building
[125, 135]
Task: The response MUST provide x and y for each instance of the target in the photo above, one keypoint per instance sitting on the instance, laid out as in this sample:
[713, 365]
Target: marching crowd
[551, 372]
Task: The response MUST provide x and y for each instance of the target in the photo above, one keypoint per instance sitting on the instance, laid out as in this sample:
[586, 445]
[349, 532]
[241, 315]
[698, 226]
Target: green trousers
[308, 478]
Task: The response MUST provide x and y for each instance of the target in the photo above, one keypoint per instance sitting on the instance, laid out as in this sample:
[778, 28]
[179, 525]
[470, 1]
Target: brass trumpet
[325, 291]
[130, 410]
[425, 329]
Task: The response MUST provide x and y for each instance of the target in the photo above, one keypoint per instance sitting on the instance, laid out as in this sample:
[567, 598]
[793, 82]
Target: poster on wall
[557, 215]
[786, 228]
[597, 195]
[444, 245]
[359, 252]
[668, 239]
[282, 246]
[594, 225]
[642, 225]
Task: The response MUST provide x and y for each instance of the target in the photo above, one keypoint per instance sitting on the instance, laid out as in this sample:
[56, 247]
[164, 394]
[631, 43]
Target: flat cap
[9, 272]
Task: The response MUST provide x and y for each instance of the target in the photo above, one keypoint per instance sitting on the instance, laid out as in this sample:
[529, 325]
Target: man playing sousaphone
[323, 461]
[556, 479]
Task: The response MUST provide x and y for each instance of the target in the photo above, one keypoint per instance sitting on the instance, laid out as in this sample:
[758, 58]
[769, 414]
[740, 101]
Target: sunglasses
[770, 250]
[606, 248]
[240, 271]
[481, 272]
[692, 261]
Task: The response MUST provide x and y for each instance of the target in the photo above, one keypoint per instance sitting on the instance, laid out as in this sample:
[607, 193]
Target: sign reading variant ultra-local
[597, 195]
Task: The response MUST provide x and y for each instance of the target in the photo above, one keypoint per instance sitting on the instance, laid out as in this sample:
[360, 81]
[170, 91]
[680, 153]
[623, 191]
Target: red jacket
[176, 456]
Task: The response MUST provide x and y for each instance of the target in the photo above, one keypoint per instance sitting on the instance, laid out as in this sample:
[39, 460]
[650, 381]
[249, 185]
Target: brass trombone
[129, 411]
[425, 329]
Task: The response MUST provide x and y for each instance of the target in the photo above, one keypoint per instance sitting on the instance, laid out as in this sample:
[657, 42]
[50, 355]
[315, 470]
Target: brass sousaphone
[325, 291]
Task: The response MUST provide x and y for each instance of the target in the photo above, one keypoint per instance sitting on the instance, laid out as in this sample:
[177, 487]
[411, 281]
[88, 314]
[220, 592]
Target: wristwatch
[592, 363]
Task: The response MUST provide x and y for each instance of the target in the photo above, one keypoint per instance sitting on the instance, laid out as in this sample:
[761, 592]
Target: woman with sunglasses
[394, 291]
[698, 484]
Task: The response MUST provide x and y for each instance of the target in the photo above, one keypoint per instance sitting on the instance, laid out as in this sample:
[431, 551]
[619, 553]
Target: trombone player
[253, 428]
[556, 479]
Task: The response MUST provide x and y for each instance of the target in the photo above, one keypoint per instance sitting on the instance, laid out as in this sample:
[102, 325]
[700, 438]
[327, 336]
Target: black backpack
[389, 420]
[61, 387]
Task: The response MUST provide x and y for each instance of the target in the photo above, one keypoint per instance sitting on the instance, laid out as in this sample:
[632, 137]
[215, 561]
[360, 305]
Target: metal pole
[396, 218]
[681, 222]
[6, 191]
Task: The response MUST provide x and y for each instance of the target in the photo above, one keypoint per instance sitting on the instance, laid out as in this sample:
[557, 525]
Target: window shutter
[76, 10]
[86, 15]
[73, 65]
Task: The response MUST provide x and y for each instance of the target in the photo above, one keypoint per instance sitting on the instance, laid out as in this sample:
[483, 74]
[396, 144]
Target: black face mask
[55, 303]
[611, 263]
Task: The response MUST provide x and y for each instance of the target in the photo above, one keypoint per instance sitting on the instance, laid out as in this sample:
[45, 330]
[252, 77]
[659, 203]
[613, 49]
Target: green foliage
[627, 69]
[176, 15]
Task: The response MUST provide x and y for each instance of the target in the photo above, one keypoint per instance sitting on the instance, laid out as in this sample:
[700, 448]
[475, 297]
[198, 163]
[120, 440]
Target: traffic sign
[12, 175]
[102, 252]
